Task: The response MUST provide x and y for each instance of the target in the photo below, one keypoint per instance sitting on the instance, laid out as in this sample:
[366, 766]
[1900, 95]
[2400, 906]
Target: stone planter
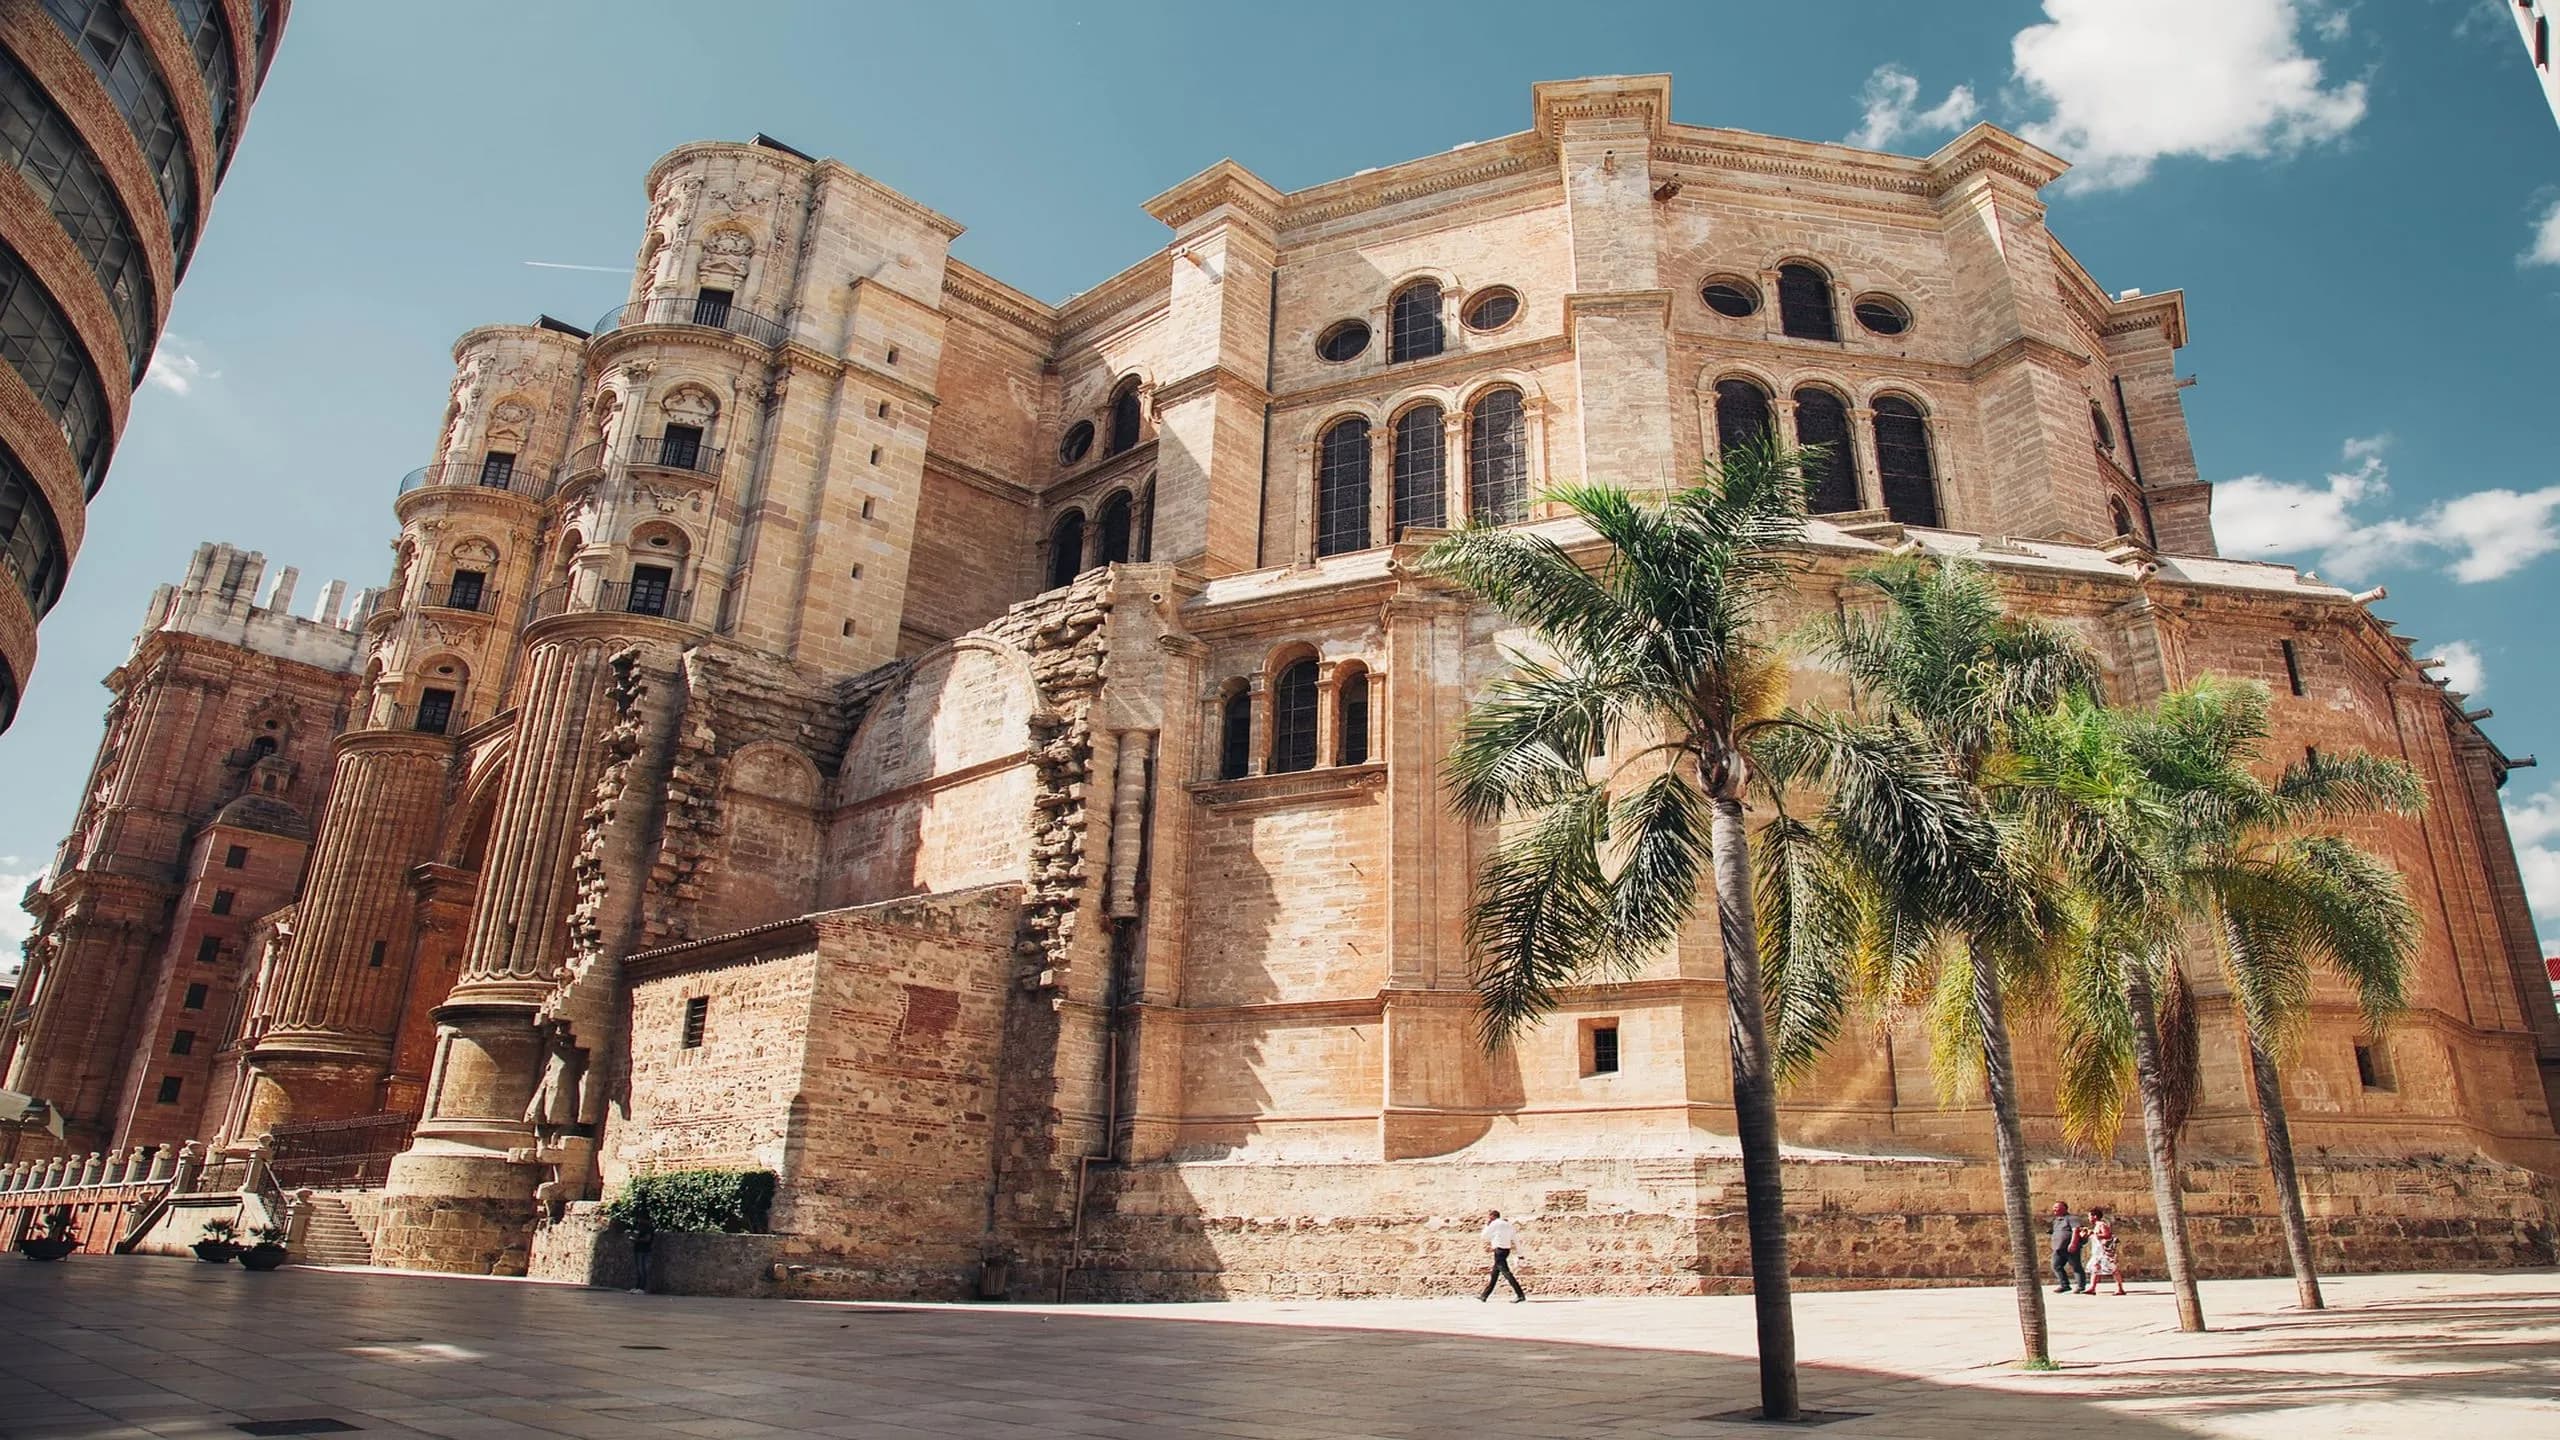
[215, 1252]
[47, 1247]
[262, 1257]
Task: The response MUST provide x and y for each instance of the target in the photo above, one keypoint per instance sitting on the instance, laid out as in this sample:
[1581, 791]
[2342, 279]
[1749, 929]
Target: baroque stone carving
[725, 255]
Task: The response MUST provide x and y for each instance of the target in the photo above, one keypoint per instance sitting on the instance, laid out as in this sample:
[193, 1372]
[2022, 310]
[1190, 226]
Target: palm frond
[1810, 924]
[1541, 914]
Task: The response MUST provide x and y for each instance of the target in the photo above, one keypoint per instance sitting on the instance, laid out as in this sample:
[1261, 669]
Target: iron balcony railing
[589, 456]
[705, 310]
[623, 597]
[340, 1154]
[462, 595]
[677, 452]
[514, 479]
[426, 720]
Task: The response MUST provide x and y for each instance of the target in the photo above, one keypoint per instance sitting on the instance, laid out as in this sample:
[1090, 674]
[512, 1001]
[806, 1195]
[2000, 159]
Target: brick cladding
[1015, 982]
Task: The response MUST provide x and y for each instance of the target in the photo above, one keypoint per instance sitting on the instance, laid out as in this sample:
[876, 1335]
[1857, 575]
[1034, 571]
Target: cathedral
[978, 759]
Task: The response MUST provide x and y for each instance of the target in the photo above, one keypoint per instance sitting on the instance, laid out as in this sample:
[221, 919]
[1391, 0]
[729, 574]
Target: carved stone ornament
[725, 254]
[510, 423]
[689, 405]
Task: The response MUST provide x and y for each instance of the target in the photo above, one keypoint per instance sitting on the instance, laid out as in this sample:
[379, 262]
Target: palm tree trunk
[2001, 1079]
[2166, 1201]
[1755, 1110]
[2279, 1143]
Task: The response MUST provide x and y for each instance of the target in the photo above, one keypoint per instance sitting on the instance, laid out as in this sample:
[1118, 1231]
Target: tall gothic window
[1066, 549]
[1904, 464]
[1421, 469]
[1124, 418]
[1235, 736]
[1293, 719]
[1498, 459]
[1742, 414]
[1413, 323]
[1351, 734]
[1822, 418]
[1804, 304]
[1342, 488]
[1113, 548]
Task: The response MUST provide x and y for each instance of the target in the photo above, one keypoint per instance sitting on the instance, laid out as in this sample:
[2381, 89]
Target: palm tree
[1661, 641]
[2237, 854]
[1943, 664]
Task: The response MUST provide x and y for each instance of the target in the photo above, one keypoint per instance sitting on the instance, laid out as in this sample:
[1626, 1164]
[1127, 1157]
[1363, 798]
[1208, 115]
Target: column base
[464, 1211]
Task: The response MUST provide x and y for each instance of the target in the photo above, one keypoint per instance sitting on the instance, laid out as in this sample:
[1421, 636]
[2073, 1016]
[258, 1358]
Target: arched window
[1351, 728]
[1822, 418]
[1293, 719]
[1147, 522]
[1113, 548]
[1903, 462]
[1804, 304]
[1342, 488]
[1066, 549]
[1124, 418]
[1413, 323]
[265, 745]
[1742, 414]
[1235, 735]
[1498, 459]
[2119, 514]
[1421, 469]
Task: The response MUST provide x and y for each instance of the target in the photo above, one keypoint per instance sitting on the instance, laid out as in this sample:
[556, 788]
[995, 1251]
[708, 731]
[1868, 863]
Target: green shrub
[734, 1201]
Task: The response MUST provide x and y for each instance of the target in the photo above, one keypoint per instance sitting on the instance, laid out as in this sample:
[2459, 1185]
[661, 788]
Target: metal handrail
[483, 598]
[695, 310]
[676, 453]
[521, 480]
[619, 597]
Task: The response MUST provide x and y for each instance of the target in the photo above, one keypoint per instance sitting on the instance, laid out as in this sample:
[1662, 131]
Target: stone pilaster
[1210, 395]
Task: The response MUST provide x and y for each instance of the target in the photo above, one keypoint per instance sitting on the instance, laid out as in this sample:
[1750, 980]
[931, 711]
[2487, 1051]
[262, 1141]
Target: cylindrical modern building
[117, 121]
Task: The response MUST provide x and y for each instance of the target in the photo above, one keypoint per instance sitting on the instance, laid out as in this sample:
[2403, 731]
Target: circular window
[1492, 309]
[1882, 316]
[2098, 425]
[1733, 298]
[1077, 442]
[1343, 342]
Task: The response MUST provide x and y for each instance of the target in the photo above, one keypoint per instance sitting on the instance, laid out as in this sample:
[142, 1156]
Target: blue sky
[2351, 195]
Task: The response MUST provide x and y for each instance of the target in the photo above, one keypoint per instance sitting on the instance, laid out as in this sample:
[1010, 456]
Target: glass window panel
[1422, 490]
[1342, 489]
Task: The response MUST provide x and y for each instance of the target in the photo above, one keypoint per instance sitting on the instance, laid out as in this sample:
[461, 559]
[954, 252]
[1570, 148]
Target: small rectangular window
[196, 996]
[697, 1015]
[650, 585]
[222, 902]
[2371, 1070]
[183, 1043]
[237, 857]
[498, 469]
[711, 307]
[467, 588]
[375, 962]
[2292, 667]
[680, 447]
[1600, 1047]
[435, 710]
[208, 949]
[169, 1086]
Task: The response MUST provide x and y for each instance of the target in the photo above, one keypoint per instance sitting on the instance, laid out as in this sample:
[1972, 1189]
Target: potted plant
[221, 1241]
[268, 1252]
[51, 1239]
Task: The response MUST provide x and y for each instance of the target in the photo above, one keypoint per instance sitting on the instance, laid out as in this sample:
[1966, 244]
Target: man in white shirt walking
[1502, 1237]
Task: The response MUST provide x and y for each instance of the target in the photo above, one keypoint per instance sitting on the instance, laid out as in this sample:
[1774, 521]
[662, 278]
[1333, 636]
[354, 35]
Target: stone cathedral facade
[977, 758]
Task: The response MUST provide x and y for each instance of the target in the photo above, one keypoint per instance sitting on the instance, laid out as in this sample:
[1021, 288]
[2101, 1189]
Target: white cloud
[2545, 249]
[1891, 104]
[2126, 83]
[15, 924]
[2535, 826]
[178, 365]
[2459, 662]
[2488, 534]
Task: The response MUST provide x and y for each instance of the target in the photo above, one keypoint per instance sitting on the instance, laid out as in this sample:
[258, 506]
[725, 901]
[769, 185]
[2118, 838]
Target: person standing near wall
[2068, 1273]
[644, 1237]
[1502, 1237]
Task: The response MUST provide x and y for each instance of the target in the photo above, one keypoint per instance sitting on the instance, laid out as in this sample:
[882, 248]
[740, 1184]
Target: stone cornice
[1201, 382]
[978, 479]
[1645, 99]
[973, 287]
[1225, 184]
[623, 337]
[1519, 355]
[2165, 312]
[1148, 283]
[1753, 154]
[2024, 348]
[1295, 787]
[912, 209]
[1475, 164]
[1988, 148]
[1640, 304]
[540, 335]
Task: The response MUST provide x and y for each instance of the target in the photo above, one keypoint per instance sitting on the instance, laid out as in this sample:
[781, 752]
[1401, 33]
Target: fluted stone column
[461, 1198]
[336, 1006]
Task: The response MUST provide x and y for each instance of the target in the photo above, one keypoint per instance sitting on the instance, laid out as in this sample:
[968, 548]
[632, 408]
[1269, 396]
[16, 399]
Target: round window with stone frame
[1731, 296]
[1491, 308]
[1076, 443]
[1343, 340]
[1882, 315]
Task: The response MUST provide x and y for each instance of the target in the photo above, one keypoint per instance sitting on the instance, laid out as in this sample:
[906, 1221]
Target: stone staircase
[333, 1237]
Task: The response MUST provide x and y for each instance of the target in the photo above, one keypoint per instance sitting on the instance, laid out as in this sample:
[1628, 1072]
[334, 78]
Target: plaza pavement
[98, 1347]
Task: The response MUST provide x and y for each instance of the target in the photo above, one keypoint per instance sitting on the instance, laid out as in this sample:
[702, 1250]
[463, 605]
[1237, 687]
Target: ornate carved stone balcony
[480, 474]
